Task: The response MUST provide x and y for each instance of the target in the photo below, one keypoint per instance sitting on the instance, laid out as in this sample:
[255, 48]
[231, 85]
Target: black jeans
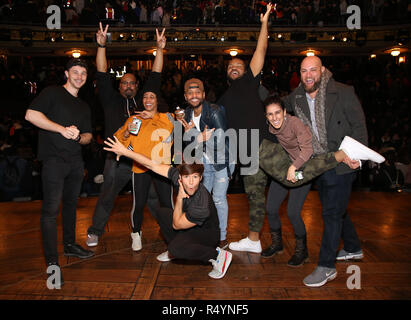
[190, 244]
[275, 197]
[116, 175]
[61, 182]
[334, 191]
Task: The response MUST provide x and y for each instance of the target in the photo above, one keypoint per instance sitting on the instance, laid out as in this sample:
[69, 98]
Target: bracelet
[100, 46]
[78, 138]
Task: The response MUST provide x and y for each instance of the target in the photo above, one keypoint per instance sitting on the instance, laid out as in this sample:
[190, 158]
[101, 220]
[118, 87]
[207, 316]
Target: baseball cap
[193, 83]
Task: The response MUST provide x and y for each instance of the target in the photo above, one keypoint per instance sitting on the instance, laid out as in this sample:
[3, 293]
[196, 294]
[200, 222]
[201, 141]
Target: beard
[230, 80]
[314, 87]
[129, 94]
[199, 103]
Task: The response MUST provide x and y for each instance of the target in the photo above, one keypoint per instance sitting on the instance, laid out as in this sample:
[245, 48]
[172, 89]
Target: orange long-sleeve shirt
[150, 140]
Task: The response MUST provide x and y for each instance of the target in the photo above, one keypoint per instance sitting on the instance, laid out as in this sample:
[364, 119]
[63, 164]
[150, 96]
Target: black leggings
[152, 187]
[276, 195]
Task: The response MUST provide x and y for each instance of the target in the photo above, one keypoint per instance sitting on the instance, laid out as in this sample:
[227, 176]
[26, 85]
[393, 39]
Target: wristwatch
[100, 46]
[78, 138]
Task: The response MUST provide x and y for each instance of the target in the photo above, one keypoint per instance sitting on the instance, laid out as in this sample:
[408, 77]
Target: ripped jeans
[216, 182]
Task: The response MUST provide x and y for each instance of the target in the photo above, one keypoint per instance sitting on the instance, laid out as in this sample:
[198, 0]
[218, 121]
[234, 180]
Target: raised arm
[101, 59]
[118, 148]
[160, 45]
[257, 61]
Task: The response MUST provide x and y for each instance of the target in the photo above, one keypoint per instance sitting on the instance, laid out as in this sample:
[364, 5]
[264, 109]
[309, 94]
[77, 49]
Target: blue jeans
[216, 182]
[334, 191]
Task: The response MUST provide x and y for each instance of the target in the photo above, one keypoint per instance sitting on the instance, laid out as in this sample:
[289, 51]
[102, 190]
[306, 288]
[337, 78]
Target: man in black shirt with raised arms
[118, 106]
[245, 113]
[192, 229]
[65, 124]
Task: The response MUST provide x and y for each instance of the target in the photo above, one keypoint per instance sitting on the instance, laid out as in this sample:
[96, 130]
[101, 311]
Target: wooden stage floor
[383, 222]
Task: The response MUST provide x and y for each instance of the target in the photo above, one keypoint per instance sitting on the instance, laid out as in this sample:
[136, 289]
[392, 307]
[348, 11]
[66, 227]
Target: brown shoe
[223, 244]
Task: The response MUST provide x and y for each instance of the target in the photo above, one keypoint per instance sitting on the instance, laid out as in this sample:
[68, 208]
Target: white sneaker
[164, 257]
[221, 264]
[246, 245]
[136, 245]
[357, 151]
[92, 240]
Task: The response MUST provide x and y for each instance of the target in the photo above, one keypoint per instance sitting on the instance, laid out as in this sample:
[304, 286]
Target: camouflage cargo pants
[274, 161]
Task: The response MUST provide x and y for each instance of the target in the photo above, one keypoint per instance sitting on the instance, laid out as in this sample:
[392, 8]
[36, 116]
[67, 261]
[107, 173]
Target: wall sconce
[310, 52]
[153, 51]
[233, 51]
[76, 53]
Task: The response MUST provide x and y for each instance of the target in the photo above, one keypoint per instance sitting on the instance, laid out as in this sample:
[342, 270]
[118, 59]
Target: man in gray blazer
[332, 111]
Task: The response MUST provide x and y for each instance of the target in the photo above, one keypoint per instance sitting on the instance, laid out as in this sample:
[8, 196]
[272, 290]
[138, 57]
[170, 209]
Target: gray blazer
[344, 115]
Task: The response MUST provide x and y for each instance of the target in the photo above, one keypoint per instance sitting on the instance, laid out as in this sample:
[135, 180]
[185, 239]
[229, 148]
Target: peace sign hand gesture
[264, 18]
[101, 35]
[161, 39]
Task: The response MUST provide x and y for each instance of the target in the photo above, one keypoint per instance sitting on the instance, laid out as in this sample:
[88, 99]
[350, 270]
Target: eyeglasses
[130, 83]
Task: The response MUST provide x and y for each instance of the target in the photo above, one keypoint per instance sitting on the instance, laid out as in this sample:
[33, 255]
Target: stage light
[310, 52]
[153, 51]
[401, 59]
[395, 52]
[222, 38]
[233, 52]
[373, 56]
[76, 54]
[279, 36]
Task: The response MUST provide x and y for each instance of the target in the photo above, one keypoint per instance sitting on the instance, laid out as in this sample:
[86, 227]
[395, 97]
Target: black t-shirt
[244, 108]
[199, 208]
[58, 105]
[115, 105]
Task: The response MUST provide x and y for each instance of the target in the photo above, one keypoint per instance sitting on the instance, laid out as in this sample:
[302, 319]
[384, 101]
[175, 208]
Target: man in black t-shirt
[245, 113]
[65, 124]
[191, 229]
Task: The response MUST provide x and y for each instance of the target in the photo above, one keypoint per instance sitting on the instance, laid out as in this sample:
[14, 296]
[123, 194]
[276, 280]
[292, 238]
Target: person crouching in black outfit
[191, 229]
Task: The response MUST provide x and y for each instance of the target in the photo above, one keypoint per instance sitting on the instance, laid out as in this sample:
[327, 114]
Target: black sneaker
[52, 269]
[75, 250]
